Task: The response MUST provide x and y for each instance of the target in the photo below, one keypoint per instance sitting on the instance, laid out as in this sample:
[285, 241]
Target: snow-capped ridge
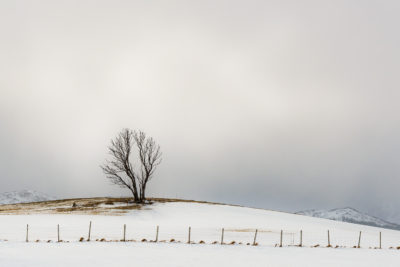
[350, 215]
[23, 196]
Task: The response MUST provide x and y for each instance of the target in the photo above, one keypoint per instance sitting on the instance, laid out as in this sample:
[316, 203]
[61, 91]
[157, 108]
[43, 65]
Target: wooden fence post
[90, 229]
[124, 239]
[255, 237]
[157, 233]
[329, 240]
[301, 238]
[222, 236]
[380, 240]
[189, 233]
[58, 233]
[27, 233]
[359, 240]
[280, 244]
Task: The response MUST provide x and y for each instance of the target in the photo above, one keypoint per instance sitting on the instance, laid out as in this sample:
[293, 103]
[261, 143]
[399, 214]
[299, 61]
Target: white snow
[176, 255]
[206, 221]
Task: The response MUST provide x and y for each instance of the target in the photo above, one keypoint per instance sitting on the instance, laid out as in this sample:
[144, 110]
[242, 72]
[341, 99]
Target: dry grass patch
[92, 206]
[78, 206]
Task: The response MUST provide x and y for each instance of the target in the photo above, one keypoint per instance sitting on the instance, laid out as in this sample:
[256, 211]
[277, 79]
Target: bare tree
[120, 169]
[150, 158]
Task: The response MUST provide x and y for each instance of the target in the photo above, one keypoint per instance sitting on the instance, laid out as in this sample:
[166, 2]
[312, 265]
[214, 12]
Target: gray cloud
[275, 104]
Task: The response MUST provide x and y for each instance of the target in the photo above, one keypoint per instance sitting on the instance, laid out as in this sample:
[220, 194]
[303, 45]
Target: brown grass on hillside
[92, 206]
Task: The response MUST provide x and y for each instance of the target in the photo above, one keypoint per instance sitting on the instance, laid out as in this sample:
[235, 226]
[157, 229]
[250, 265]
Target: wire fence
[193, 235]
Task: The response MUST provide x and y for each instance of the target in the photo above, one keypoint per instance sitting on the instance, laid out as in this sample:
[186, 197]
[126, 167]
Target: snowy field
[150, 254]
[206, 222]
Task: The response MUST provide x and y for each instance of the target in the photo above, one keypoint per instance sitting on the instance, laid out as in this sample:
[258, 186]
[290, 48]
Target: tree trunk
[143, 194]
[135, 196]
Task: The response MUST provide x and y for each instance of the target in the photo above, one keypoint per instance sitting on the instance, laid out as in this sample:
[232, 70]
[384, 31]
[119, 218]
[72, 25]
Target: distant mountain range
[24, 196]
[350, 215]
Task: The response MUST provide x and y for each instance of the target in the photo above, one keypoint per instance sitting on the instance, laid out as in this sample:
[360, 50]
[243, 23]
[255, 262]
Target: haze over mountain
[23, 196]
[350, 215]
[261, 98]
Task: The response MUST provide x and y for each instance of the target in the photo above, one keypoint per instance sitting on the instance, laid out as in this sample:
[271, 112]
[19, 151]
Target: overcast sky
[286, 105]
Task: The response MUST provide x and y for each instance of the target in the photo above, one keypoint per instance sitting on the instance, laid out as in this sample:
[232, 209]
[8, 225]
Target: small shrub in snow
[81, 239]
[102, 240]
[202, 242]
[144, 240]
[232, 243]
[172, 240]
[215, 242]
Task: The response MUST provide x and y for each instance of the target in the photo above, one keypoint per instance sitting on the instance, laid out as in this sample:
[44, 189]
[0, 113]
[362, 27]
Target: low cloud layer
[274, 104]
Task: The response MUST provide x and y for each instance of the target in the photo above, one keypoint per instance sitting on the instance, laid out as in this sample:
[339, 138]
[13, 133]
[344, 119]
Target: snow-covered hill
[350, 215]
[24, 196]
[59, 220]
